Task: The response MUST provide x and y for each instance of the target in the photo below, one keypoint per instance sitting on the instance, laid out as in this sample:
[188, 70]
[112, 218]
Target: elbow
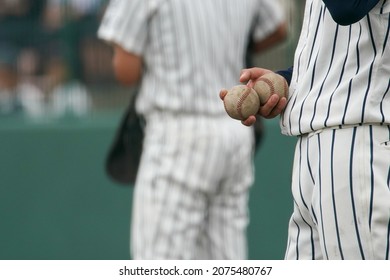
[127, 68]
[275, 38]
[125, 81]
[280, 34]
[129, 77]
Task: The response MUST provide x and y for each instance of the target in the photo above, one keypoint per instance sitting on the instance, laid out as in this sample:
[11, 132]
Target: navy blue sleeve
[287, 74]
[346, 12]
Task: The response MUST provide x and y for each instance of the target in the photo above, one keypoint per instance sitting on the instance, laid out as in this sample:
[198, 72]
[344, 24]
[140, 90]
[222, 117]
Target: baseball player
[339, 107]
[191, 193]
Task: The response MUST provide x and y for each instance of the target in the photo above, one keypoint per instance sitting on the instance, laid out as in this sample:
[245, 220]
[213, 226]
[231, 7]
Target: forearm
[346, 12]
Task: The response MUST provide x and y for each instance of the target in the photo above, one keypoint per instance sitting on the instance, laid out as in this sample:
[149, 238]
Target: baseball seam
[270, 84]
[241, 101]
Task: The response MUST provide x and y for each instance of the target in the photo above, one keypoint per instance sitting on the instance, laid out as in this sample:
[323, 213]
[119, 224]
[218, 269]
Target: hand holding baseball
[271, 89]
[275, 101]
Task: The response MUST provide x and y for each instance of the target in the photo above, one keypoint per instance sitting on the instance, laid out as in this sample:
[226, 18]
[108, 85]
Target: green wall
[56, 202]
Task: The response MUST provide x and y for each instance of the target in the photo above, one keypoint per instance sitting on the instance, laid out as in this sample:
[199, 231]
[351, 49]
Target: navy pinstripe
[297, 242]
[352, 195]
[322, 232]
[388, 242]
[372, 177]
[300, 184]
[333, 196]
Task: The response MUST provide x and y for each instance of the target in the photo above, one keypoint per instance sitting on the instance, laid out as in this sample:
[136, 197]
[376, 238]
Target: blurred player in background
[339, 107]
[191, 193]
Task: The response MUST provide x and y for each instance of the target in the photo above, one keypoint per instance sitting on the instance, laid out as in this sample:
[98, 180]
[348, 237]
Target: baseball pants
[191, 196]
[340, 186]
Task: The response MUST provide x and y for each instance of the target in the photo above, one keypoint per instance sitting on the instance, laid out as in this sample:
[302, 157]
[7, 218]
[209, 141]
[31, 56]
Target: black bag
[124, 155]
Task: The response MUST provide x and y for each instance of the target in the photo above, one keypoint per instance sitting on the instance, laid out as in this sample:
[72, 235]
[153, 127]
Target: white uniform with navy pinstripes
[190, 199]
[339, 106]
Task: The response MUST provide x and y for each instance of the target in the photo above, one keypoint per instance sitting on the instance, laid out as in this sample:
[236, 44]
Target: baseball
[241, 102]
[269, 84]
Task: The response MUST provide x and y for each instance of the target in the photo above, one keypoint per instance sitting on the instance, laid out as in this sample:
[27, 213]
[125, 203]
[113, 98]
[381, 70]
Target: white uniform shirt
[181, 76]
[341, 73]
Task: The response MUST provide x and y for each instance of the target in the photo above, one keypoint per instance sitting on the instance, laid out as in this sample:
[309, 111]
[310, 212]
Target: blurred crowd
[49, 55]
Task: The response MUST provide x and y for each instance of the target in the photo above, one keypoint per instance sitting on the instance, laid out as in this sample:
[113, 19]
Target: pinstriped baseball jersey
[341, 73]
[191, 194]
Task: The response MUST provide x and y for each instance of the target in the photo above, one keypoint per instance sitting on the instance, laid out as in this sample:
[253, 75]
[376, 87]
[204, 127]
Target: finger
[222, 93]
[252, 74]
[245, 75]
[269, 106]
[279, 108]
[249, 121]
[276, 110]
